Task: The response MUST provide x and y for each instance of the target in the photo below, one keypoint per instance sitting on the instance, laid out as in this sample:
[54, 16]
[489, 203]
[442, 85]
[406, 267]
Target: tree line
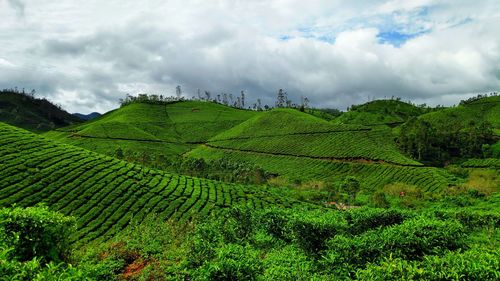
[228, 99]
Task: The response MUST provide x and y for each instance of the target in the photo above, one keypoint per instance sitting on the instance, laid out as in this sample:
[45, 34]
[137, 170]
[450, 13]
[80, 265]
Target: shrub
[410, 240]
[288, 263]
[364, 219]
[36, 232]
[470, 265]
[312, 229]
[231, 262]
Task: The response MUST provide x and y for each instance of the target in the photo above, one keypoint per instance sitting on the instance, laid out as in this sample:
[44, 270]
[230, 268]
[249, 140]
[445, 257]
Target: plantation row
[482, 163]
[371, 175]
[284, 122]
[365, 144]
[104, 193]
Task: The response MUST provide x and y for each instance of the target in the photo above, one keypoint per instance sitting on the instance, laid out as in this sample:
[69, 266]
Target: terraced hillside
[289, 132]
[380, 112]
[168, 129]
[485, 109]
[301, 147]
[28, 112]
[104, 193]
[475, 112]
[372, 176]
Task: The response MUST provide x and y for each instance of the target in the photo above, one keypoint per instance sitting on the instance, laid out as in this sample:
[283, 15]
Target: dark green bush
[410, 240]
[276, 222]
[474, 264]
[364, 219]
[231, 262]
[288, 263]
[311, 230]
[471, 218]
[36, 232]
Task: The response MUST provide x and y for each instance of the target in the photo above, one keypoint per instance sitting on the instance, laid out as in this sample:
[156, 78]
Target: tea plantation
[104, 193]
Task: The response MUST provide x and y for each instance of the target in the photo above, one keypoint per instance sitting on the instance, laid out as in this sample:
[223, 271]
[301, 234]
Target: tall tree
[178, 91]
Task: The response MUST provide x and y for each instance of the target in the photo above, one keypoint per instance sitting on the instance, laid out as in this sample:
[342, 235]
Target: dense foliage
[24, 110]
[106, 193]
[439, 242]
[469, 130]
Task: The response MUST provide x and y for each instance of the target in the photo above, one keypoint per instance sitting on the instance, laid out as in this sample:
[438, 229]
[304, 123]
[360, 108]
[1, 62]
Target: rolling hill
[153, 129]
[380, 112]
[292, 133]
[105, 193]
[484, 109]
[453, 130]
[302, 147]
[38, 115]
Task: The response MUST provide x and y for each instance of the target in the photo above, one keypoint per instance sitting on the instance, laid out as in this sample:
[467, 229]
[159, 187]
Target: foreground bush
[36, 232]
[470, 265]
[410, 240]
[34, 244]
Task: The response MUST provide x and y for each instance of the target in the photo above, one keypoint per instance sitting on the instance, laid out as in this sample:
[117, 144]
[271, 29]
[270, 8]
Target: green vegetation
[300, 169]
[105, 193]
[38, 115]
[381, 112]
[482, 163]
[313, 149]
[329, 200]
[465, 131]
[148, 133]
[240, 243]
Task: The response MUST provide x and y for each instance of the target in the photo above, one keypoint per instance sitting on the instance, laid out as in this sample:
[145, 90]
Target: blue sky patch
[396, 38]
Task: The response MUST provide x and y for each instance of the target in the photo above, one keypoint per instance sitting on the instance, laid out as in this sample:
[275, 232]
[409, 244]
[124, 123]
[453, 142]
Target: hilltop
[486, 109]
[104, 193]
[380, 112]
[38, 115]
[293, 133]
[158, 130]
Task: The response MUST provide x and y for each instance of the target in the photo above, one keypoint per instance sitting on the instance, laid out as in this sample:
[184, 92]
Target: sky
[86, 55]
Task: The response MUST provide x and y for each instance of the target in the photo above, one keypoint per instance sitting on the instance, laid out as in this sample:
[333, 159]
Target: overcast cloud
[85, 55]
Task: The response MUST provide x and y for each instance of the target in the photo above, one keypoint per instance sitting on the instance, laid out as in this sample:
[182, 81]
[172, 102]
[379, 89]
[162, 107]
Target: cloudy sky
[85, 55]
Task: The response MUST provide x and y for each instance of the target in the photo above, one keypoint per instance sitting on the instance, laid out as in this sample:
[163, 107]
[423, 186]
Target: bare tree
[224, 99]
[178, 91]
[242, 98]
[282, 98]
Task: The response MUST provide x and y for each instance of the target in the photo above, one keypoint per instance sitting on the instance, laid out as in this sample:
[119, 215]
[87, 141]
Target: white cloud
[86, 55]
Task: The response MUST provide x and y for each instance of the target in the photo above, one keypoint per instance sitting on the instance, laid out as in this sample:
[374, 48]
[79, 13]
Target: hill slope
[33, 114]
[380, 112]
[293, 133]
[484, 109]
[302, 147]
[469, 130]
[104, 193]
[153, 129]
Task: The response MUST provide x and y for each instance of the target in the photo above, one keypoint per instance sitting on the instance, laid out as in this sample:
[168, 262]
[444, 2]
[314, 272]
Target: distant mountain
[38, 115]
[89, 116]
